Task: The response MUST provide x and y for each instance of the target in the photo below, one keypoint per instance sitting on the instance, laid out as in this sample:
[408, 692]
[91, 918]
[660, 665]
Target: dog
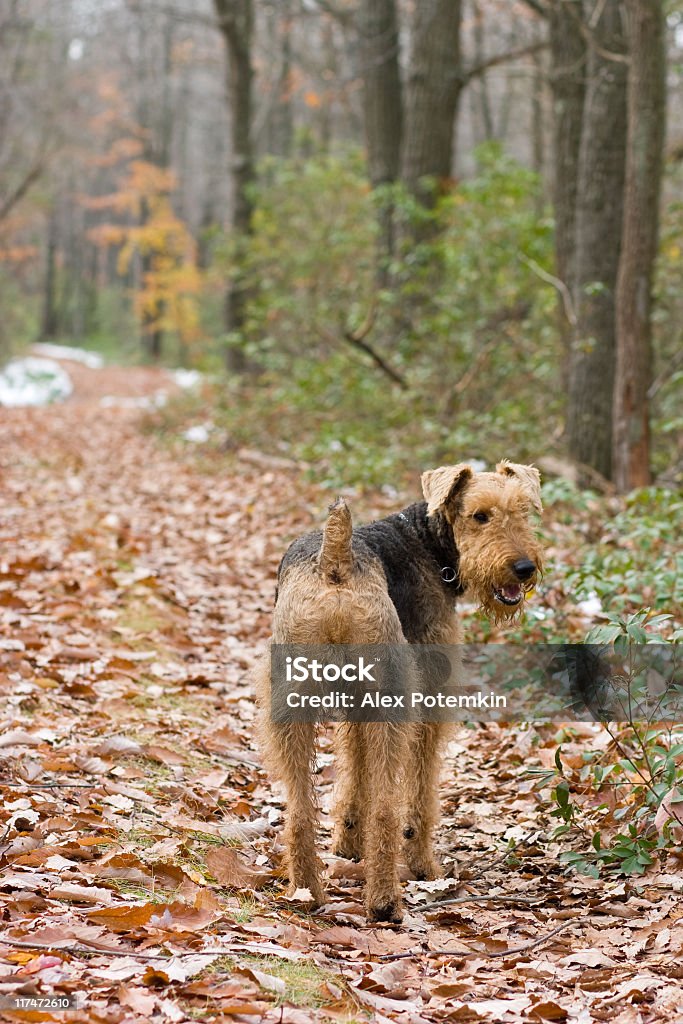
[395, 581]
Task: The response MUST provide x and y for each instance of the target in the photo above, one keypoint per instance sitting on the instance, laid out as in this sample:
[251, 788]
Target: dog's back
[332, 589]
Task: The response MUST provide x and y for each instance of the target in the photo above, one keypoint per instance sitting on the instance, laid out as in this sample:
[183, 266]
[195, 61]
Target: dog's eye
[481, 517]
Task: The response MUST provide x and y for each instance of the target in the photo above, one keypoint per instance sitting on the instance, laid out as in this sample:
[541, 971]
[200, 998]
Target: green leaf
[562, 794]
[604, 634]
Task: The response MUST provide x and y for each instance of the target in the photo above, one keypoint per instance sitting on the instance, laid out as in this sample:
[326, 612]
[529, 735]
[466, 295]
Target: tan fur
[336, 557]
[388, 774]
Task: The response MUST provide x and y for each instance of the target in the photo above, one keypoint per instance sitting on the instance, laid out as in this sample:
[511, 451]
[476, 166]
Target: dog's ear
[529, 478]
[441, 487]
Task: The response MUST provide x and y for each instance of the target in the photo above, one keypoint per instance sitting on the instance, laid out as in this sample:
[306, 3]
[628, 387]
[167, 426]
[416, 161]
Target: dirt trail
[83, 470]
[136, 586]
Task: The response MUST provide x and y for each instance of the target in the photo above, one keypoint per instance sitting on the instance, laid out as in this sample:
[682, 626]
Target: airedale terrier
[393, 581]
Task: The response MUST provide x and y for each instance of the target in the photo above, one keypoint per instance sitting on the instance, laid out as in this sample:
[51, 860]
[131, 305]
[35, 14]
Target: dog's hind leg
[351, 798]
[291, 749]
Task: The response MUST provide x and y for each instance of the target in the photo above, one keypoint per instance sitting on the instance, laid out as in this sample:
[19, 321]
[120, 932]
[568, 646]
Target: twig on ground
[51, 785]
[535, 943]
[482, 953]
[503, 898]
[76, 949]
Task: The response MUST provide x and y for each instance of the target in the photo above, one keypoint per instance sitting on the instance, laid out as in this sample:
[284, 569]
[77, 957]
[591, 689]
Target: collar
[448, 573]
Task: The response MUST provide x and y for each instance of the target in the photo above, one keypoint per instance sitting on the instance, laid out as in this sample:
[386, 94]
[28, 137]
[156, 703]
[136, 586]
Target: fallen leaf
[229, 869]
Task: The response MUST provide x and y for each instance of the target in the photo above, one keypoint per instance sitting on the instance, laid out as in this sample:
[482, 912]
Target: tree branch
[189, 17]
[567, 301]
[538, 7]
[23, 187]
[357, 339]
[345, 16]
[589, 36]
[503, 58]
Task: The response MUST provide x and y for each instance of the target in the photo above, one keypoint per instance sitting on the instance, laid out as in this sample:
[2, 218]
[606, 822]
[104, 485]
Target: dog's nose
[524, 568]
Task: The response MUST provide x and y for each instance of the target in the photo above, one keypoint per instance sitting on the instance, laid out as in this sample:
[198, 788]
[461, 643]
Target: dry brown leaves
[140, 845]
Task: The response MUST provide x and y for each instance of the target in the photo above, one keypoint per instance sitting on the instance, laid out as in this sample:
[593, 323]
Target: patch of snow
[76, 355]
[538, 614]
[33, 381]
[187, 378]
[591, 606]
[389, 491]
[198, 434]
[156, 401]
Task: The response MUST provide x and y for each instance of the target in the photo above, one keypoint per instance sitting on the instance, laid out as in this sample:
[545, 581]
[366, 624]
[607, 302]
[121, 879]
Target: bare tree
[236, 23]
[568, 78]
[646, 117]
[49, 327]
[27, 117]
[482, 114]
[378, 35]
[155, 115]
[279, 115]
[433, 87]
[599, 212]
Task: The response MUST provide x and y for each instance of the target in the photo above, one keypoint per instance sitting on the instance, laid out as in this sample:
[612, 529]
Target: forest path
[136, 586]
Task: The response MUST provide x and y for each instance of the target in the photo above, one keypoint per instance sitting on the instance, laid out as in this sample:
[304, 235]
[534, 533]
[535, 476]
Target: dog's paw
[348, 853]
[422, 864]
[347, 840]
[311, 894]
[427, 873]
[387, 911]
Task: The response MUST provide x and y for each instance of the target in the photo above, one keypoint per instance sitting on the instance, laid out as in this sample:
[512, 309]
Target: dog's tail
[336, 554]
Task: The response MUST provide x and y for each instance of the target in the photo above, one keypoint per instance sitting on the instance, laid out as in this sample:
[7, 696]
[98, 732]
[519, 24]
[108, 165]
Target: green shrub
[463, 301]
[620, 805]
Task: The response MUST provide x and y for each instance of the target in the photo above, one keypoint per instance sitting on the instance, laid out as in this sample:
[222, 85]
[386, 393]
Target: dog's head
[491, 516]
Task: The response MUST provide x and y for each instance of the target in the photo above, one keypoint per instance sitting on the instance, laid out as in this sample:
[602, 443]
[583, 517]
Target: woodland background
[383, 235]
[381, 217]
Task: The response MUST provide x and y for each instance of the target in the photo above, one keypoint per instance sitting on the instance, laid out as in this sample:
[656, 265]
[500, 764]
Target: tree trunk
[236, 22]
[151, 335]
[646, 117]
[433, 87]
[158, 123]
[154, 344]
[537, 127]
[480, 89]
[568, 78]
[599, 210]
[378, 38]
[50, 319]
[281, 118]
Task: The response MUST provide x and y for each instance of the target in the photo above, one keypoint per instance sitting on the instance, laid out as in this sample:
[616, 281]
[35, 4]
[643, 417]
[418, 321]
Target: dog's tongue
[512, 592]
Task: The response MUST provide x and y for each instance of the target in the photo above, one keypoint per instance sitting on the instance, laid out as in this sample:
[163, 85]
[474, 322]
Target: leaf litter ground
[140, 844]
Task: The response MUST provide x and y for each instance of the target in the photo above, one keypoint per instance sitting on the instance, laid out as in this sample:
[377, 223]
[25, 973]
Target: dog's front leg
[351, 797]
[422, 783]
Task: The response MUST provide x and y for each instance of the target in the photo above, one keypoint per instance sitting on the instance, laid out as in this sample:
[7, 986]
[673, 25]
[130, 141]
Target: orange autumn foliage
[167, 297]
